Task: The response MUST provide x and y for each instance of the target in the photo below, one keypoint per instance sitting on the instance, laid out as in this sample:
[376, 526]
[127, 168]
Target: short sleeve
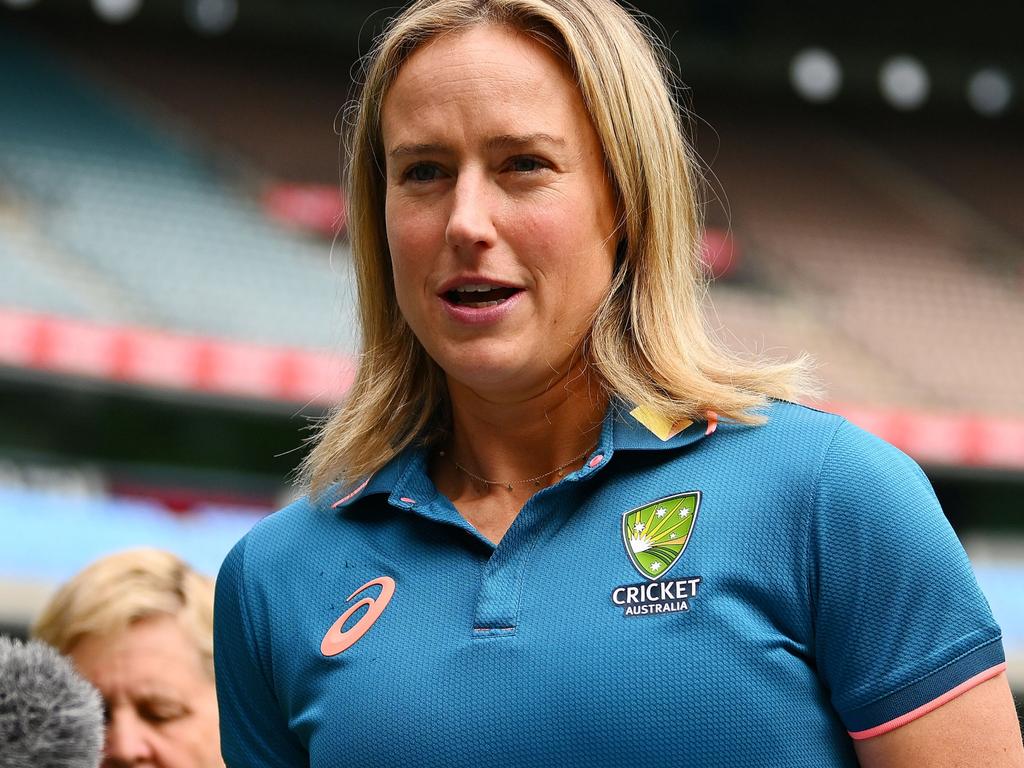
[900, 624]
[252, 727]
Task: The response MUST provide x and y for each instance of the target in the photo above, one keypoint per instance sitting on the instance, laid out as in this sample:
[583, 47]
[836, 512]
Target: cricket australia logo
[655, 536]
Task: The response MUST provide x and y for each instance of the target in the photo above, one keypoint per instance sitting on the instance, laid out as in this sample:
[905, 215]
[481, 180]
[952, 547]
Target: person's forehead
[485, 57]
[482, 44]
[154, 651]
[496, 73]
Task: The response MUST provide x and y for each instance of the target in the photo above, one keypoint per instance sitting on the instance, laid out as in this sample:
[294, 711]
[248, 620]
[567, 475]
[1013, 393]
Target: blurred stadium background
[175, 308]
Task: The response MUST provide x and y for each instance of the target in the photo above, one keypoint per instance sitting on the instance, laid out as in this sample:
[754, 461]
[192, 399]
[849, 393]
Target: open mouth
[479, 296]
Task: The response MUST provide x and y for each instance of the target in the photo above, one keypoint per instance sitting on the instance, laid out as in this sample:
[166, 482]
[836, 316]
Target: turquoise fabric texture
[737, 598]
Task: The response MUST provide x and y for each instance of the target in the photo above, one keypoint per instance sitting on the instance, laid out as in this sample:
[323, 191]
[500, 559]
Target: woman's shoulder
[813, 447]
[296, 528]
[848, 446]
[791, 433]
[797, 429]
[841, 468]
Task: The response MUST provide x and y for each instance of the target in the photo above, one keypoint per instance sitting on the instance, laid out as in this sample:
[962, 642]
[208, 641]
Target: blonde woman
[554, 523]
[139, 626]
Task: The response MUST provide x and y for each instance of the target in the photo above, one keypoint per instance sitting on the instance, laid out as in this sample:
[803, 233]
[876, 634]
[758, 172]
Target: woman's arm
[978, 729]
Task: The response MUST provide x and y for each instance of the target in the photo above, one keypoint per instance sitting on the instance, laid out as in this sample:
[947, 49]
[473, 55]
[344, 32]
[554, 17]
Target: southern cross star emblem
[656, 534]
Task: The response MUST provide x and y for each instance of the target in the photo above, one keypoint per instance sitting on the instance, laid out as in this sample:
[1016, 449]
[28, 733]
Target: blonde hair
[116, 591]
[648, 343]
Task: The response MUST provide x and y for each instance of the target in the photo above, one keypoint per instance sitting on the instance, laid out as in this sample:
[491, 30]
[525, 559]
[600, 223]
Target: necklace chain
[508, 484]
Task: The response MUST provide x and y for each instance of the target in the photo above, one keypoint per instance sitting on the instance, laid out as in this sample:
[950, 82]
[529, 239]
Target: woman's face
[500, 217]
[160, 702]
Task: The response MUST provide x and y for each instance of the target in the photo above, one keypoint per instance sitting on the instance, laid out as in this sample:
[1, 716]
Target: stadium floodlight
[815, 74]
[904, 82]
[116, 11]
[211, 17]
[989, 91]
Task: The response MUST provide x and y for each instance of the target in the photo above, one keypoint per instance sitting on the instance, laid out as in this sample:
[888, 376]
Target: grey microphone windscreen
[50, 717]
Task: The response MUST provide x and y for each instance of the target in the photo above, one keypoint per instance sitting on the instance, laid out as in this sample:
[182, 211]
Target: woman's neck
[522, 438]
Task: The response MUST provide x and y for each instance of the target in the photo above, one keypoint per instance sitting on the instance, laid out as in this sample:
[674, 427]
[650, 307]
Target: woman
[138, 625]
[553, 523]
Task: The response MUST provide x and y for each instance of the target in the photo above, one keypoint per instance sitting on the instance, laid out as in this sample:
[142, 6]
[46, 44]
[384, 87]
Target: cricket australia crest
[656, 534]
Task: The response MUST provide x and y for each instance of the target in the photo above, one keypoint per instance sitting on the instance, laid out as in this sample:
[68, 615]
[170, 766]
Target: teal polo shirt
[742, 596]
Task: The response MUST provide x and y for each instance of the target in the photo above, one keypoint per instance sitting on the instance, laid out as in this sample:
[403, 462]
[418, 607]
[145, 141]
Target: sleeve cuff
[927, 694]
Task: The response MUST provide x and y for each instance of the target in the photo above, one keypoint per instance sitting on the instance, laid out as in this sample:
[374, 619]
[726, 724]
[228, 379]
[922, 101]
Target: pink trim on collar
[712, 422]
[348, 497]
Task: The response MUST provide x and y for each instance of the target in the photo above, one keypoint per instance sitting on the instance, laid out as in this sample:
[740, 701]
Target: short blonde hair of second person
[648, 343]
[115, 591]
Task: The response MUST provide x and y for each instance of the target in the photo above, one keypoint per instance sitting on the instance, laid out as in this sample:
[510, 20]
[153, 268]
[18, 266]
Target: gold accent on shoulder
[661, 427]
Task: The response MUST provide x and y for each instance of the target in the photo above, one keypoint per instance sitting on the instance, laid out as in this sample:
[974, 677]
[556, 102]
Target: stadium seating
[880, 269]
[873, 265]
[170, 238]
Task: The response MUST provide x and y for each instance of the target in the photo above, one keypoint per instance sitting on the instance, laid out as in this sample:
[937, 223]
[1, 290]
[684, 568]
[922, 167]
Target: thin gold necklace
[508, 484]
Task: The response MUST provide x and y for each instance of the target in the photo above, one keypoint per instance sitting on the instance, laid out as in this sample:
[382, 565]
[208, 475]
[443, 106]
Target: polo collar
[640, 429]
[387, 479]
[404, 479]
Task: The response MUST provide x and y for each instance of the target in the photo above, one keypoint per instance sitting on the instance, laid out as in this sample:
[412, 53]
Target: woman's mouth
[480, 295]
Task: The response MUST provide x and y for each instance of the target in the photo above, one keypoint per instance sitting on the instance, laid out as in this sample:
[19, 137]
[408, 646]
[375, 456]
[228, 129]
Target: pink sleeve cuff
[934, 704]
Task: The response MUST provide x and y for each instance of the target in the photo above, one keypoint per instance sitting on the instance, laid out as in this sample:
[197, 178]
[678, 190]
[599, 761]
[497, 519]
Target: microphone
[50, 717]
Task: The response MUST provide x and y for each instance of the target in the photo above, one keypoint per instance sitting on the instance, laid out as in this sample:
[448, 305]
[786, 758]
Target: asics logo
[338, 638]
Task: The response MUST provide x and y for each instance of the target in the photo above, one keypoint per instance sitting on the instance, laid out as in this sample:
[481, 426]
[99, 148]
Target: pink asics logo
[339, 639]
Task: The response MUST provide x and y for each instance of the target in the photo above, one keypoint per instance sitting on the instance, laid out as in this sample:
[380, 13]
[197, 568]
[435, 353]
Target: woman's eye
[525, 164]
[162, 713]
[421, 172]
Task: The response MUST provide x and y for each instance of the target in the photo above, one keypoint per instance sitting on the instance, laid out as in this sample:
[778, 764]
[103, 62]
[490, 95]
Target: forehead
[484, 77]
[152, 652]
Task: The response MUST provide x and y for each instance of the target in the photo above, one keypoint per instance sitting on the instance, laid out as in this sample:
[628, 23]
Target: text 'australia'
[656, 596]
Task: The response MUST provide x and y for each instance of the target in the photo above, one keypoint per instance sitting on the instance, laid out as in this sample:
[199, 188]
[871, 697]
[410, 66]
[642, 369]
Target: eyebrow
[508, 141]
[504, 141]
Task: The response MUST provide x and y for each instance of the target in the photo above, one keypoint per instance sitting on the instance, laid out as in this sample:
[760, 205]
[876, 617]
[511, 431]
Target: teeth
[481, 304]
[475, 288]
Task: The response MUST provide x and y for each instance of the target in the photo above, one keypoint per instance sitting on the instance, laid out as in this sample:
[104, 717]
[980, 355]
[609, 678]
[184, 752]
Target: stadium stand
[169, 240]
[983, 172]
[909, 315]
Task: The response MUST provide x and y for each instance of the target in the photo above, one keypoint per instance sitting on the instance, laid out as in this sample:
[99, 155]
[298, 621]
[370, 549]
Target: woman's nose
[127, 742]
[471, 221]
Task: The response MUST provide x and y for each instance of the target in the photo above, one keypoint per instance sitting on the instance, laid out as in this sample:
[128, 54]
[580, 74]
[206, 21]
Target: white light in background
[19, 3]
[116, 11]
[815, 74]
[904, 82]
[989, 91]
[212, 17]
